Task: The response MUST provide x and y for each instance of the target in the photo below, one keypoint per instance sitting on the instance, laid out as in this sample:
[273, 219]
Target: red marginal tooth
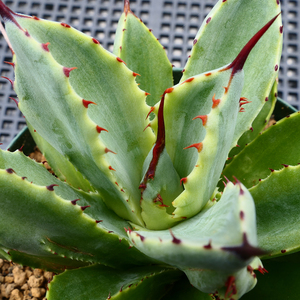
[11, 82]
[95, 41]
[151, 110]
[86, 103]
[175, 240]
[84, 207]
[45, 46]
[135, 74]
[74, 201]
[10, 171]
[108, 150]
[169, 90]
[146, 94]
[242, 109]
[215, 101]
[188, 80]
[208, 246]
[230, 287]
[51, 187]
[10, 63]
[68, 70]
[203, 118]
[65, 25]
[149, 125]
[35, 18]
[111, 168]
[183, 180]
[99, 129]
[262, 270]
[120, 60]
[198, 146]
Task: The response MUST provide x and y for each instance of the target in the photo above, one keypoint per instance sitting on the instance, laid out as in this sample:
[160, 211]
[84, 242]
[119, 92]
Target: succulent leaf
[222, 237]
[136, 207]
[213, 49]
[277, 209]
[150, 62]
[62, 167]
[63, 227]
[212, 150]
[260, 122]
[159, 192]
[82, 136]
[224, 285]
[112, 284]
[269, 151]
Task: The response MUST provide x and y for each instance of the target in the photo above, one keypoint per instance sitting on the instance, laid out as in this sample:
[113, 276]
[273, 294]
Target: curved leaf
[277, 201]
[218, 42]
[276, 146]
[221, 237]
[150, 62]
[59, 164]
[49, 225]
[100, 283]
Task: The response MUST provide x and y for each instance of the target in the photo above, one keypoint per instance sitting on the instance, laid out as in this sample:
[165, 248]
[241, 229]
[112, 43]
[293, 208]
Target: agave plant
[137, 208]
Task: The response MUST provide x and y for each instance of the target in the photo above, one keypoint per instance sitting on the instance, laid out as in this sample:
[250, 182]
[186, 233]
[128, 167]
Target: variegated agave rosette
[137, 209]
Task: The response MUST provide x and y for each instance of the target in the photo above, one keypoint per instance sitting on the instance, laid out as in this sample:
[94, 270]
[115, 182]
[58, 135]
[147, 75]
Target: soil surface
[22, 283]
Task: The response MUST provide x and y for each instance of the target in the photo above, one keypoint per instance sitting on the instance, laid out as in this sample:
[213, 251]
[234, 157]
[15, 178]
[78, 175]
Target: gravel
[22, 283]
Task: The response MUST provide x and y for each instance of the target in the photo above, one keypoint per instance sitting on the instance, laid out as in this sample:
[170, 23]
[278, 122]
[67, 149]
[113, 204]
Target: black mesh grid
[174, 22]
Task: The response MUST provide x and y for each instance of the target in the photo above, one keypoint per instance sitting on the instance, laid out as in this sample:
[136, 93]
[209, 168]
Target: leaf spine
[10, 63]
[149, 125]
[99, 129]
[203, 119]
[84, 207]
[51, 187]
[65, 25]
[11, 82]
[188, 80]
[45, 46]
[230, 287]
[10, 171]
[16, 101]
[215, 101]
[68, 70]
[86, 103]
[208, 246]
[106, 150]
[95, 41]
[198, 146]
[151, 110]
[74, 201]
[175, 240]
[120, 60]
[262, 270]
[183, 180]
